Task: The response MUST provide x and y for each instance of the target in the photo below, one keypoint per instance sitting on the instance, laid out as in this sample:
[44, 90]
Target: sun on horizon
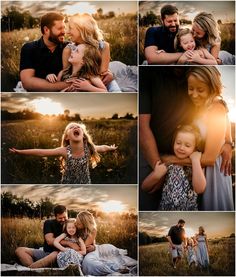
[47, 106]
[112, 206]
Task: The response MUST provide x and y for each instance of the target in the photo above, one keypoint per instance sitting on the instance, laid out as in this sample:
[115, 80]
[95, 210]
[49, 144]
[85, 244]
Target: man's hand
[90, 248]
[226, 154]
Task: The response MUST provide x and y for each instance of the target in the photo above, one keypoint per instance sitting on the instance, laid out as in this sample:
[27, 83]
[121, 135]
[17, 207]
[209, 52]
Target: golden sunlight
[45, 105]
[82, 7]
[112, 206]
[232, 115]
[189, 232]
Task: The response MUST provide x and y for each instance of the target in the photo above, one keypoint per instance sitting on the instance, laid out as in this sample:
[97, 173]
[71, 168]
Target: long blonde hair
[181, 32]
[92, 60]
[87, 220]
[88, 28]
[208, 24]
[94, 156]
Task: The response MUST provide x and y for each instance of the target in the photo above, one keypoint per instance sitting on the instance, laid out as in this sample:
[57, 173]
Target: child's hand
[195, 156]
[160, 168]
[112, 147]
[14, 151]
[52, 78]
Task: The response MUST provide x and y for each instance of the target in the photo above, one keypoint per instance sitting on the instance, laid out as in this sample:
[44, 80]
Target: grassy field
[117, 230]
[155, 260]
[120, 32]
[115, 167]
[227, 39]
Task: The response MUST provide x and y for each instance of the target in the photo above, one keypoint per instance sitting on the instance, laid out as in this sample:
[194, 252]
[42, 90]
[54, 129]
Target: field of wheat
[120, 32]
[119, 230]
[155, 260]
[115, 167]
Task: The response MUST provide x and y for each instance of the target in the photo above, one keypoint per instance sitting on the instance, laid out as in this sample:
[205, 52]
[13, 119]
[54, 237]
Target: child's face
[187, 42]
[184, 145]
[198, 91]
[77, 55]
[71, 228]
[75, 133]
[74, 33]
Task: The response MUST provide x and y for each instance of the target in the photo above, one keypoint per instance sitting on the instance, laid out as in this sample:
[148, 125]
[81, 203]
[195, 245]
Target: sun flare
[45, 105]
[112, 206]
[82, 7]
[189, 232]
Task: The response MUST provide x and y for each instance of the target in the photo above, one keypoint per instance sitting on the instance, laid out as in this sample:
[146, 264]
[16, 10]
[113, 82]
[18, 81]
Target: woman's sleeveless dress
[77, 169]
[202, 253]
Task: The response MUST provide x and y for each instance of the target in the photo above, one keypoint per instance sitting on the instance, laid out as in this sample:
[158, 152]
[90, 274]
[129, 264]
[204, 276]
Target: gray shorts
[38, 254]
[178, 251]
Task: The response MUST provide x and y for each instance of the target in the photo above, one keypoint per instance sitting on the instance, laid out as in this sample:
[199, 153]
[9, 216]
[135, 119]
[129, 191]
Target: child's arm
[105, 148]
[154, 180]
[57, 244]
[198, 177]
[65, 56]
[98, 84]
[82, 245]
[194, 56]
[107, 75]
[60, 151]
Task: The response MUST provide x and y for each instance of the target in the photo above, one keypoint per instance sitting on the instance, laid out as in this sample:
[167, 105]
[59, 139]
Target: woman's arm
[90, 241]
[105, 148]
[207, 243]
[208, 56]
[57, 244]
[215, 50]
[60, 151]
[82, 247]
[98, 84]
[106, 74]
[65, 56]
[82, 84]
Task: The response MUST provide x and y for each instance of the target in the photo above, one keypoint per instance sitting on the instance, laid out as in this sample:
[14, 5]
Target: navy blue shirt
[51, 226]
[37, 56]
[177, 234]
[160, 37]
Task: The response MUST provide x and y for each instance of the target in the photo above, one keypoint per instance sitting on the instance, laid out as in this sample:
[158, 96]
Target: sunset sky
[105, 198]
[223, 10]
[216, 224]
[38, 8]
[86, 104]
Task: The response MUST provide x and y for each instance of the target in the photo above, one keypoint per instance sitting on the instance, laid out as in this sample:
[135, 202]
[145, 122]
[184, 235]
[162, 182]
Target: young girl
[85, 62]
[191, 254]
[77, 152]
[70, 256]
[83, 28]
[182, 183]
[206, 32]
[184, 41]
[202, 248]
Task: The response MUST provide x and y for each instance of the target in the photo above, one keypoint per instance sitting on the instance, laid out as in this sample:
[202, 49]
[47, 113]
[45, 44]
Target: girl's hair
[181, 32]
[94, 156]
[190, 240]
[202, 229]
[211, 76]
[70, 220]
[87, 220]
[88, 28]
[191, 128]
[208, 24]
[92, 60]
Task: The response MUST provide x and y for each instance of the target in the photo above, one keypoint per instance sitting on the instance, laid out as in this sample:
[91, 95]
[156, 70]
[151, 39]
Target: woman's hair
[208, 24]
[94, 156]
[70, 220]
[201, 228]
[88, 28]
[211, 76]
[191, 128]
[87, 220]
[92, 60]
[181, 32]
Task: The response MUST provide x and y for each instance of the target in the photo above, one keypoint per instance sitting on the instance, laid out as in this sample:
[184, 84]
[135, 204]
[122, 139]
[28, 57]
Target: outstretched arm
[154, 56]
[105, 148]
[57, 241]
[60, 151]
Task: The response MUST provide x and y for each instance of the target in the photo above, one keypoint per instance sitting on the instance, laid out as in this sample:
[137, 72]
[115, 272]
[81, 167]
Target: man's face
[61, 218]
[181, 225]
[57, 32]
[171, 22]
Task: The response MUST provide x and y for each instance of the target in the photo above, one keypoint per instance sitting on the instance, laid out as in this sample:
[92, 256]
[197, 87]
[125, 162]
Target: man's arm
[153, 57]
[32, 83]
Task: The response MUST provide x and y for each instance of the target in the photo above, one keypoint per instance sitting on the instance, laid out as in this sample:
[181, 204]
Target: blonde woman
[206, 32]
[202, 248]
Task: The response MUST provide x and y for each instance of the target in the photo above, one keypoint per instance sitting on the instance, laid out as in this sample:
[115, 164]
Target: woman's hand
[107, 77]
[226, 154]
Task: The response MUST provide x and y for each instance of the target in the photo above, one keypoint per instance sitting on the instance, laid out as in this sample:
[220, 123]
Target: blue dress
[202, 253]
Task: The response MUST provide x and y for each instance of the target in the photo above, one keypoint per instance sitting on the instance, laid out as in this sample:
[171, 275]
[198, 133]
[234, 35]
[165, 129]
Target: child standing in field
[202, 248]
[184, 41]
[70, 256]
[191, 254]
[77, 152]
[182, 184]
[85, 62]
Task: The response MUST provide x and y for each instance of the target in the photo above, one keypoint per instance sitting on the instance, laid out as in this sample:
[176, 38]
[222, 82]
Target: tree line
[145, 239]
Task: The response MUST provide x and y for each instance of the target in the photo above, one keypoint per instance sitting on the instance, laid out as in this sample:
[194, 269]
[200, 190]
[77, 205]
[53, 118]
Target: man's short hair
[59, 209]
[168, 10]
[48, 20]
[181, 221]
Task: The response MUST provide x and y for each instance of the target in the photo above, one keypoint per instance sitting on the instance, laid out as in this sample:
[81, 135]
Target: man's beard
[168, 29]
[54, 38]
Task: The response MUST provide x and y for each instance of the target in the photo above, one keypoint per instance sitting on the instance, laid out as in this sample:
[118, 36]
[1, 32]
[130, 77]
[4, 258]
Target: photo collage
[118, 138]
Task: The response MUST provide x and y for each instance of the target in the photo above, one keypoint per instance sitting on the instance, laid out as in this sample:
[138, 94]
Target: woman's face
[198, 91]
[187, 42]
[184, 144]
[71, 228]
[74, 33]
[197, 31]
[79, 224]
[77, 55]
